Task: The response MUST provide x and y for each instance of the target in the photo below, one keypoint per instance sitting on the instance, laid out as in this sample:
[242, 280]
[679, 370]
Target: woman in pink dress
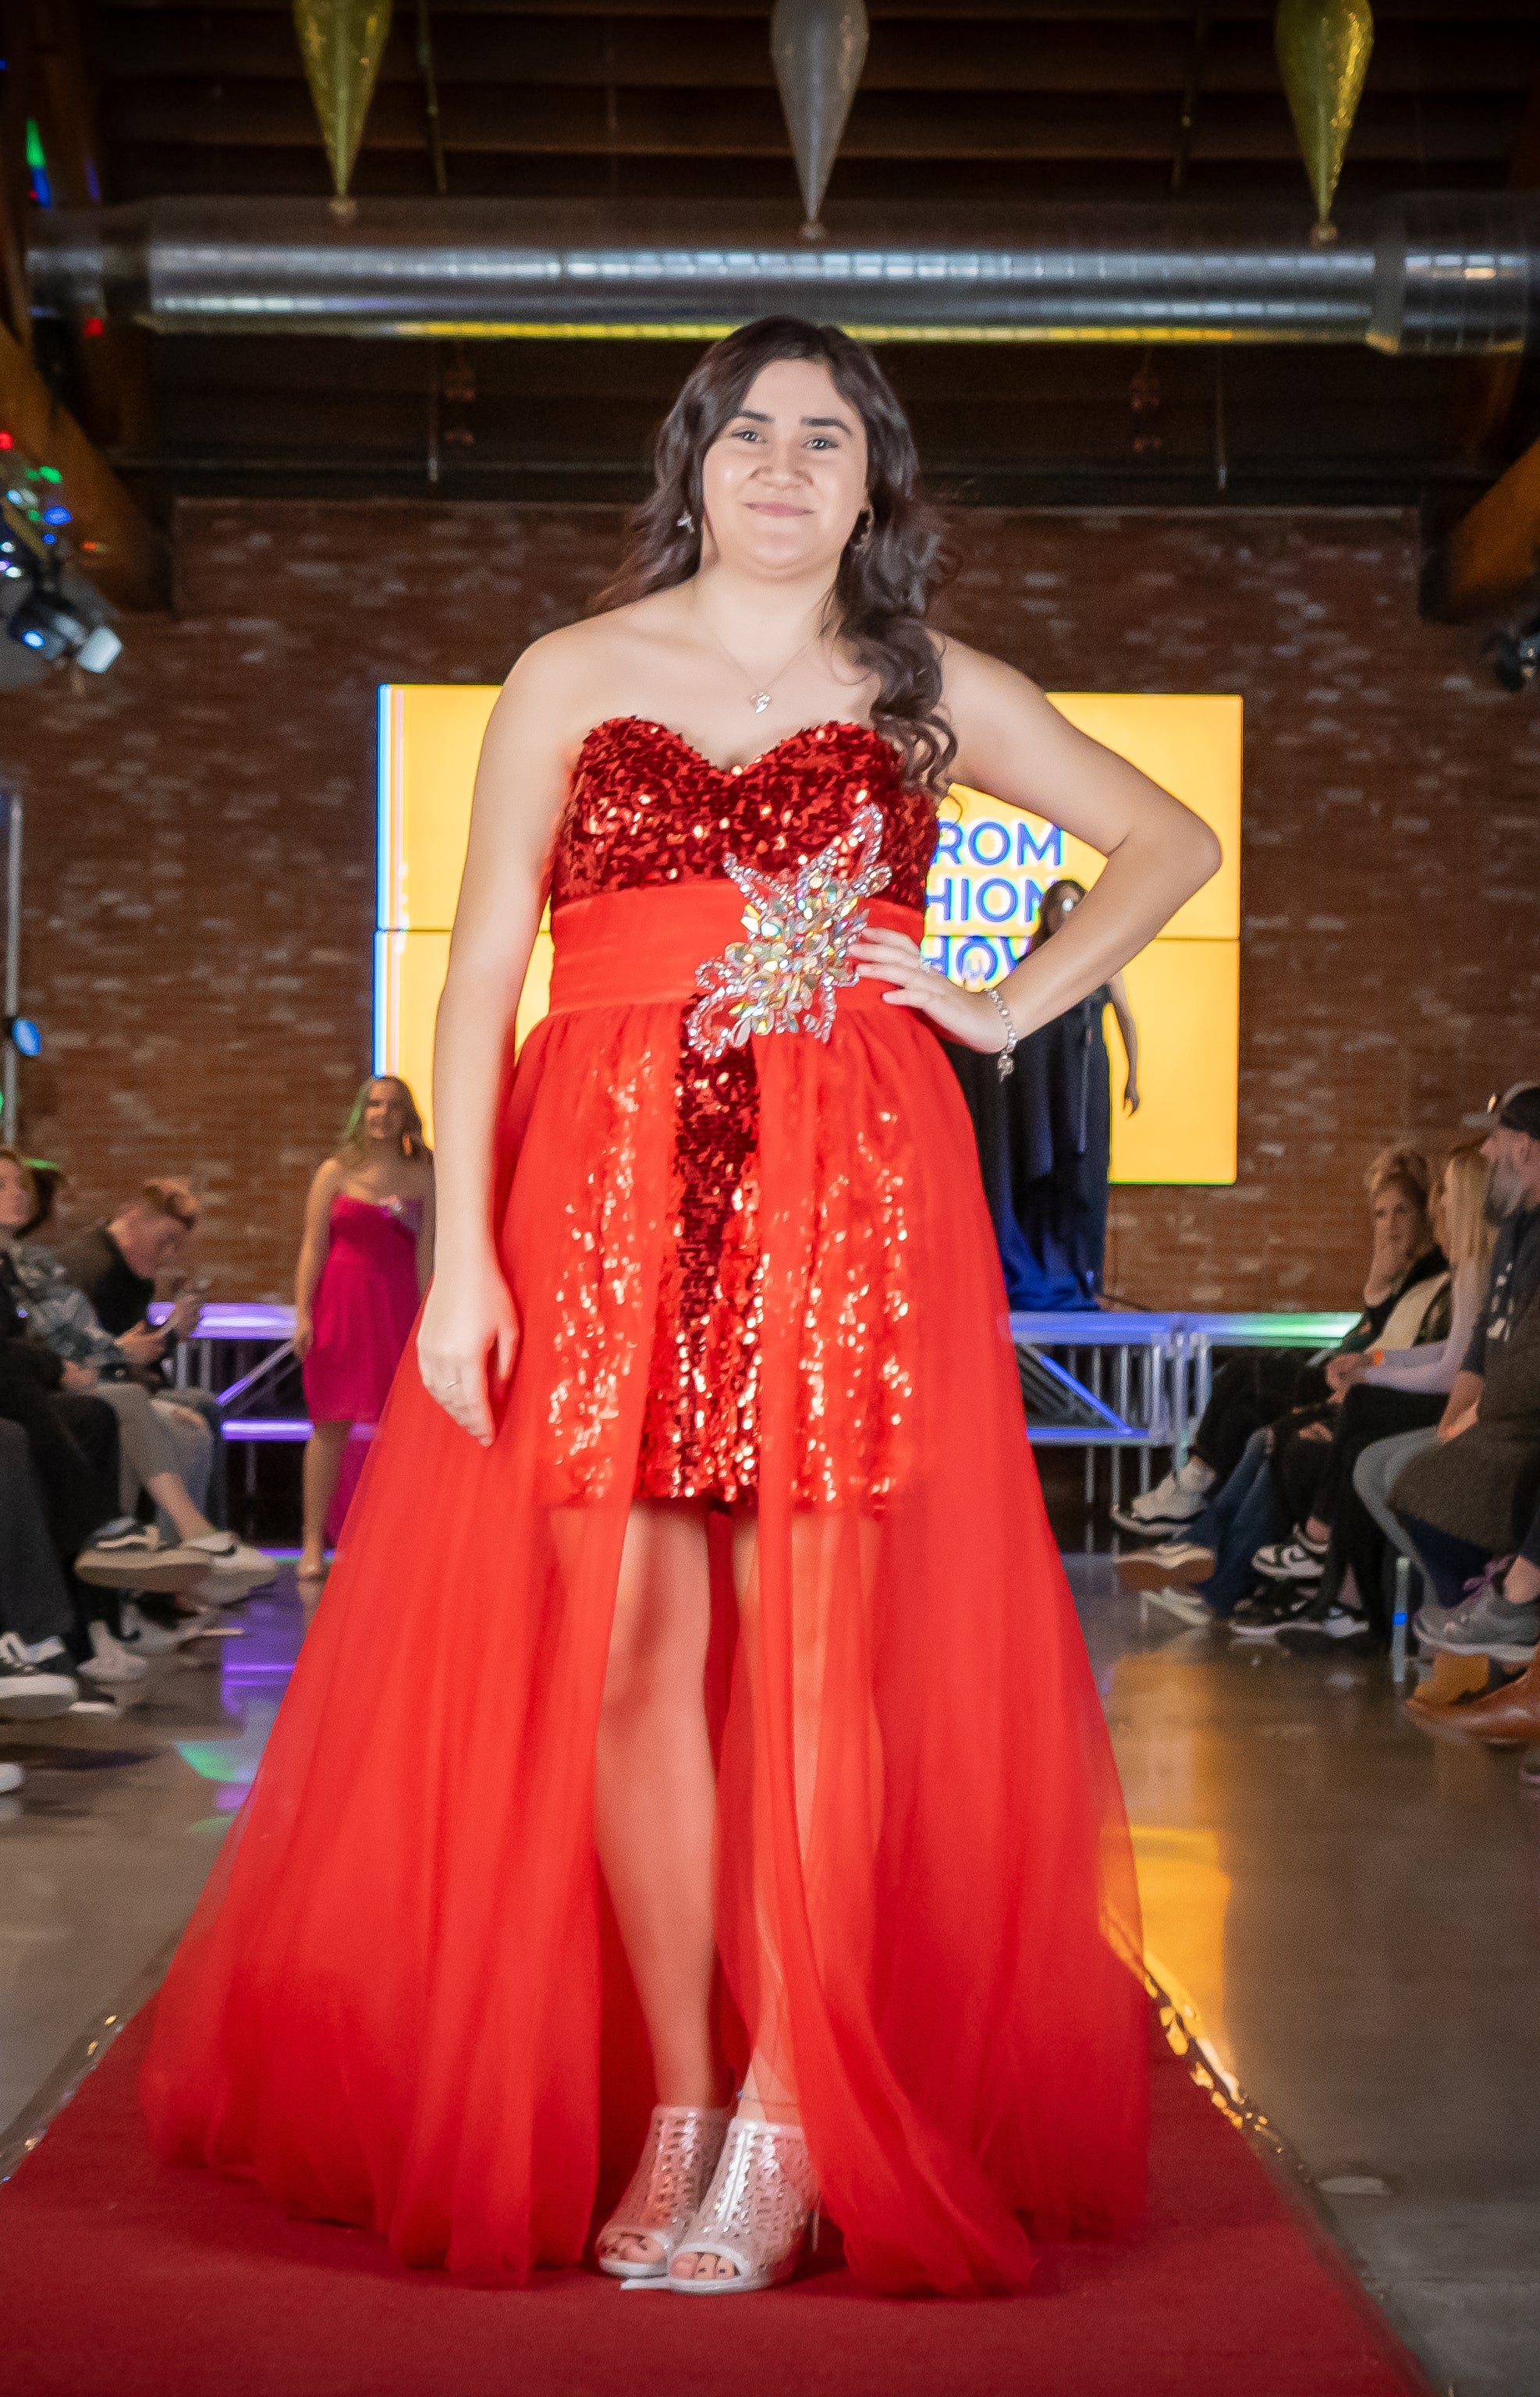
[365, 1258]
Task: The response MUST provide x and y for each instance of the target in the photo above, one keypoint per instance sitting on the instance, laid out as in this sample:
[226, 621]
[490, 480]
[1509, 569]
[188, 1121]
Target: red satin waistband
[626, 948]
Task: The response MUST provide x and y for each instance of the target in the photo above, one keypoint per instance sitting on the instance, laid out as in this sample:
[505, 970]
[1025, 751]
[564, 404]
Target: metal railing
[1101, 1381]
[1113, 1380]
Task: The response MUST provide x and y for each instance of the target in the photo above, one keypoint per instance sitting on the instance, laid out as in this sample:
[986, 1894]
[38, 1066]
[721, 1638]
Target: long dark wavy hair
[887, 572]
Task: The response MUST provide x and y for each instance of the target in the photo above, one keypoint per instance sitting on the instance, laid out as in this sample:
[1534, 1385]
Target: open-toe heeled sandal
[676, 2165]
[755, 2215]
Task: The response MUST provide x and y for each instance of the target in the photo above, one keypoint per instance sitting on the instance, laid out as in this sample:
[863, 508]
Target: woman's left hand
[969, 1017]
[1131, 1096]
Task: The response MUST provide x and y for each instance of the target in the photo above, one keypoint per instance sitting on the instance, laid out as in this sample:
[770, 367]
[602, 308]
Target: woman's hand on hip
[469, 1317]
[969, 1017]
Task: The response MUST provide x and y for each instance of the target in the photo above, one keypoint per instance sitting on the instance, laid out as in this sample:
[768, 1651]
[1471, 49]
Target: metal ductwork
[1431, 276]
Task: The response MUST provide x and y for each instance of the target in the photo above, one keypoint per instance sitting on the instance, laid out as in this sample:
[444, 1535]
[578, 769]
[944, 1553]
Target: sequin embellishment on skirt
[801, 927]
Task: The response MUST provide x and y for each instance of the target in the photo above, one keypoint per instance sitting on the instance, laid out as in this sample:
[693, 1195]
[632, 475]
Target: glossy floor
[1350, 1910]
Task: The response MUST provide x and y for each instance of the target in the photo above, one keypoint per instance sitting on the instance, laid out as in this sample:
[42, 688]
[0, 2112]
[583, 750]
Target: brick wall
[199, 871]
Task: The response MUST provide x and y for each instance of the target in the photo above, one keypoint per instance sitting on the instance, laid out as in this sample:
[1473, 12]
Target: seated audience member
[1210, 1572]
[118, 1265]
[1471, 1494]
[1499, 1619]
[72, 1445]
[1335, 1548]
[1254, 1389]
[46, 1182]
[156, 1437]
[1212, 1568]
[37, 1621]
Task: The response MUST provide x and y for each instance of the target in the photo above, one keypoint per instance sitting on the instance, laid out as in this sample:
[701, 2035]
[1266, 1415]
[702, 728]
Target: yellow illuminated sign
[992, 864]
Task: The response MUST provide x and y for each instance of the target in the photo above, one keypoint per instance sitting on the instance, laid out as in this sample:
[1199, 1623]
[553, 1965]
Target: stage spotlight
[45, 622]
[23, 1036]
[1515, 656]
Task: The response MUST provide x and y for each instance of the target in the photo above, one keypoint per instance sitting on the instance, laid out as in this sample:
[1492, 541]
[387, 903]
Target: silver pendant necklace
[759, 698]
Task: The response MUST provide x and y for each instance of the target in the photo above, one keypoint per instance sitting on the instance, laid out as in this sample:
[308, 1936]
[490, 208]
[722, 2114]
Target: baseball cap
[1518, 1109]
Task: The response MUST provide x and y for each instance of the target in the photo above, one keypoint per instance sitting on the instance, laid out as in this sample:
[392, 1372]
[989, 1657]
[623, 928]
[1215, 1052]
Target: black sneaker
[1264, 1617]
[1325, 1619]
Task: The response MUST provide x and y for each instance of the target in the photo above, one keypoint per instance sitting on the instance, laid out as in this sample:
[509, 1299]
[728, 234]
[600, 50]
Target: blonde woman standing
[365, 1261]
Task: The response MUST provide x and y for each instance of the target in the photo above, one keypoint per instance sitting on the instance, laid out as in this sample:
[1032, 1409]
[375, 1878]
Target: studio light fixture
[54, 627]
[54, 611]
[1515, 655]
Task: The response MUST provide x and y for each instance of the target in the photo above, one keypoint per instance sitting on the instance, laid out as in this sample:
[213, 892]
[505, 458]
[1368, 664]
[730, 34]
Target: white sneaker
[1183, 1605]
[31, 1683]
[1175, 1564]
[1172, 1504]
[225, 1559]
[1295, 1560]
[131, 1557]
[142, 1637]
[110, 1663]
[11, 1777]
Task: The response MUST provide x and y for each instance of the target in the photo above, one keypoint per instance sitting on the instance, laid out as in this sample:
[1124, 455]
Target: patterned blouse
[64, 1318]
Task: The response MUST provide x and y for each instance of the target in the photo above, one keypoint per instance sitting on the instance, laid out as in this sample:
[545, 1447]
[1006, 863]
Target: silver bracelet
[1005, 1061]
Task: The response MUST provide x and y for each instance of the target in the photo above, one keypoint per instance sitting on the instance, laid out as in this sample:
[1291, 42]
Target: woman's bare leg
[323, 1469]
[655, 1798]
[820, 1555]
[768, 2094]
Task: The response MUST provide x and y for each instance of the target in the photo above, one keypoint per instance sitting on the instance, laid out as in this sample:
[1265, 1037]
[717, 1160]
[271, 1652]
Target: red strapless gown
[363, 1312]
[764, 1276]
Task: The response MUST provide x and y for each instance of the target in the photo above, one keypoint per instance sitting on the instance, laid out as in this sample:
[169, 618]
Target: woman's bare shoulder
[566, 676]
[970, 676]
[572, 653]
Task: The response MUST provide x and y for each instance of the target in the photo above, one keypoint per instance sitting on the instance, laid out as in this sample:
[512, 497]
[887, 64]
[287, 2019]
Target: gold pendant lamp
[1323, 48]
[818, 48]
[342, 43]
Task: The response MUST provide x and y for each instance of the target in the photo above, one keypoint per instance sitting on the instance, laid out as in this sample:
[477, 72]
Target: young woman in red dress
[693, 1801]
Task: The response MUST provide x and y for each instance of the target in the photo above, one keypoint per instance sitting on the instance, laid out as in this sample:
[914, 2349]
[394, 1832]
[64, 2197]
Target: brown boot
[1509, 1714]
[1454, 1682]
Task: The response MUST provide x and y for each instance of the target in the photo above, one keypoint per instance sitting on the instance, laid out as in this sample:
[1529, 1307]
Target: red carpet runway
[126, 2278]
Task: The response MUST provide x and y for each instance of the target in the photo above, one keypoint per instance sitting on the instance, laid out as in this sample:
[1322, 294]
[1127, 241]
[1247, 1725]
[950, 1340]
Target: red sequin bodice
[646, 809]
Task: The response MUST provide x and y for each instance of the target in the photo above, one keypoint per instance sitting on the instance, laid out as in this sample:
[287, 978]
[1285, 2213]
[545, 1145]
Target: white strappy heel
[755, 2212]
[675, 2164]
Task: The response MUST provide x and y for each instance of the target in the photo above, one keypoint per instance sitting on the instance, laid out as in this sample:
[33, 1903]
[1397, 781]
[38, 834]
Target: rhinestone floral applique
[801, 927]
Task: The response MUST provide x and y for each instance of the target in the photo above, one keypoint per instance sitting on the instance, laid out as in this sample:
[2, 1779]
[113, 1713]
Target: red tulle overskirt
[400, 2003]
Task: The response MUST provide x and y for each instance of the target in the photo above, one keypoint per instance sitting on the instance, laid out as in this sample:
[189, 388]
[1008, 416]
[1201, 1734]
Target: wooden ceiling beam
[1485, 395]
[109, 361]
[14, 182]
[735, 124]
[172, 173]
[1515, 14]
[1492, 556]
[186, 42]
[130, 560]
[61, 100]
